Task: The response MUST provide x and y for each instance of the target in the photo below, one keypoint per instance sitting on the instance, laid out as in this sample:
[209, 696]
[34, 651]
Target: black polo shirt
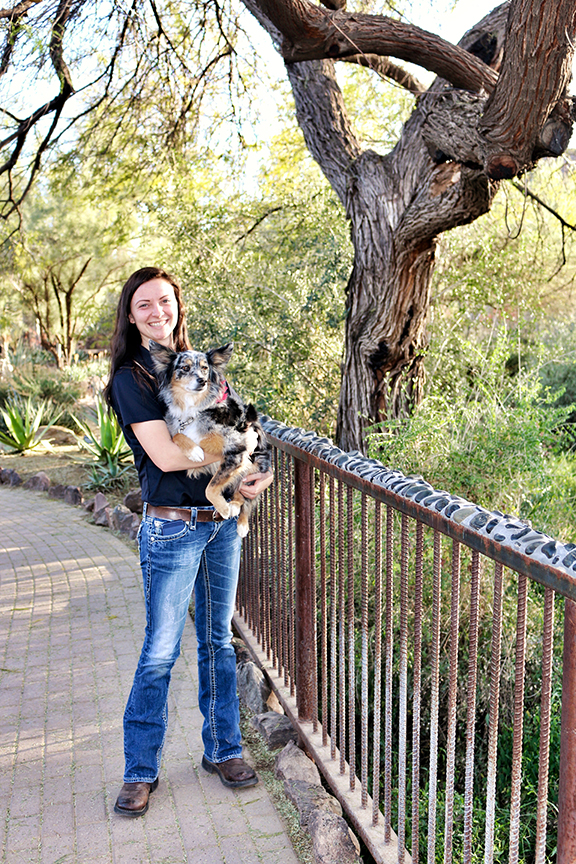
[137, 401]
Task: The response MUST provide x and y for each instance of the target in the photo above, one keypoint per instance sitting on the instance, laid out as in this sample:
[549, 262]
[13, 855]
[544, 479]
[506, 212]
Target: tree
[499, 104]
[61, 262]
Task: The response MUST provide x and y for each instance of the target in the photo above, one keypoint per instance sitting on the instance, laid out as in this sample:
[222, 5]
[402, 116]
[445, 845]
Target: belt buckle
[216, 516]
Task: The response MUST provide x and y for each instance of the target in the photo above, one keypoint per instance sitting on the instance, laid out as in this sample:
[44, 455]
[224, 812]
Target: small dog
[202, 415]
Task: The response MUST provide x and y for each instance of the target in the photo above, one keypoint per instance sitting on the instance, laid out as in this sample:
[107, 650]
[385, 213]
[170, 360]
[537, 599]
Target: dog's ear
[251, 413]
[162, 357]
[219, 357]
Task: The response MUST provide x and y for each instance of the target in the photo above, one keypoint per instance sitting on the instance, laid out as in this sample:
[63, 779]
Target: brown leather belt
[173, 513]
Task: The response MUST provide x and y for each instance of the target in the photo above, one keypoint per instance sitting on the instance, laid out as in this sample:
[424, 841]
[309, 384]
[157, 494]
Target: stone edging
[124, 517]
[320, 813]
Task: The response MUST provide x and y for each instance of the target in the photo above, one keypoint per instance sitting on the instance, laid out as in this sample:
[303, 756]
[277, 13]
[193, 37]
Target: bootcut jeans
[203, 556]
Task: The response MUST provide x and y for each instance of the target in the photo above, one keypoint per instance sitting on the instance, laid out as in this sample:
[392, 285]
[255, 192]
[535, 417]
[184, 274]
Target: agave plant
[23, 419]
[113, 475]
[108, 446]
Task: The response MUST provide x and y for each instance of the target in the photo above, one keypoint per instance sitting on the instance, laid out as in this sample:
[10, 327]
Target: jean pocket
[168, 529]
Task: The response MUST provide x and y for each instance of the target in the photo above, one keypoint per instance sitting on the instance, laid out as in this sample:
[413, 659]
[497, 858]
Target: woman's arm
[155, 438]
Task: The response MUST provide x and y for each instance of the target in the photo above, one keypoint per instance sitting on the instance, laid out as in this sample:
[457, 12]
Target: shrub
[108, 447]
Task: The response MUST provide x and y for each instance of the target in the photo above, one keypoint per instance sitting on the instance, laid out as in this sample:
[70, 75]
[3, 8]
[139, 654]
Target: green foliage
[107, 446]
[58, 395]
[61, 261]
[268, 275]
[487, 437]
[23, 420]
[110, 476]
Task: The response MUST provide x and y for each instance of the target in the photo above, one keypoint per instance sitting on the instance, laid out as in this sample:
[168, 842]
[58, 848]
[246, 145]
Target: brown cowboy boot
[133, 798]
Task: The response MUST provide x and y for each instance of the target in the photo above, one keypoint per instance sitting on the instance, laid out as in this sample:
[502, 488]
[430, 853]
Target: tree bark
[530, 105]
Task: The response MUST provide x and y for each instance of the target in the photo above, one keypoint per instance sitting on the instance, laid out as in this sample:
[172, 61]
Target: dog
[203, 416]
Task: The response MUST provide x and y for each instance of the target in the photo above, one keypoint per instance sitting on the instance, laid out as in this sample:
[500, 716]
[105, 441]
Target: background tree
[65, 256]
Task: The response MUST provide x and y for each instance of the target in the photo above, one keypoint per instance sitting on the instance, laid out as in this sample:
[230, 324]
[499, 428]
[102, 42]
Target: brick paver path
[71, 627]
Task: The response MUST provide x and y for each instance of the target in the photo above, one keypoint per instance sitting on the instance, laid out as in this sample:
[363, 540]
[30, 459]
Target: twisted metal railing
[372, 629]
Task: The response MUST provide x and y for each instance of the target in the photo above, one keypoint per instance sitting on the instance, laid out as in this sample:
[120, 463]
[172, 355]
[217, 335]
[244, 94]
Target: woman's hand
[253, 484]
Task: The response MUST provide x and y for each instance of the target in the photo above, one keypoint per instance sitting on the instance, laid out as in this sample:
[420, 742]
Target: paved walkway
[71, 627]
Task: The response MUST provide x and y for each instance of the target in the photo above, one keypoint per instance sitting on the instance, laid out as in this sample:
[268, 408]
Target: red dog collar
[223, 393]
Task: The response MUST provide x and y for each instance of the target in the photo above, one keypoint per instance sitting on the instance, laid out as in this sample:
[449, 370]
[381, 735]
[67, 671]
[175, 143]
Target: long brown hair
[126, 338]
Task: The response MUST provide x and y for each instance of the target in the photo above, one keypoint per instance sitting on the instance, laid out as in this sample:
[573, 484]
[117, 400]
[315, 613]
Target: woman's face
[154, 311]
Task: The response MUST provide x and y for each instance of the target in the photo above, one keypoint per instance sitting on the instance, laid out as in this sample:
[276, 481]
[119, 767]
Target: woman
[182, 547]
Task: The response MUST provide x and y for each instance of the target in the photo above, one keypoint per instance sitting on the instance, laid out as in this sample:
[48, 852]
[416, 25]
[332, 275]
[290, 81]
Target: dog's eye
[185, 368]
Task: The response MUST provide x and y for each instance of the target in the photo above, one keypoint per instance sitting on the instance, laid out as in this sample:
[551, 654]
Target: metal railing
[402, 657]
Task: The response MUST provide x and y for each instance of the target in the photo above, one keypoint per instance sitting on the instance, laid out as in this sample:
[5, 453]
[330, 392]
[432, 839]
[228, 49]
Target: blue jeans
[204, 556]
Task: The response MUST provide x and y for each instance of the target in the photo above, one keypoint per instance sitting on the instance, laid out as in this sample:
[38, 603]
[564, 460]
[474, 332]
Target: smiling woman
[184, 546]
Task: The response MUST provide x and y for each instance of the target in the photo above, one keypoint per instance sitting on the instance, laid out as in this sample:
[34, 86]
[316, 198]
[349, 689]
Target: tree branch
[310, 32]
[527, 193]
[56, 52]
[18, 10]
[323, 119]
[384, 67]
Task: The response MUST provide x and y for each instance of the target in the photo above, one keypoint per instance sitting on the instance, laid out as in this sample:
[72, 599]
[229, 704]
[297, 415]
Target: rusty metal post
[567, 785]
[304, 590]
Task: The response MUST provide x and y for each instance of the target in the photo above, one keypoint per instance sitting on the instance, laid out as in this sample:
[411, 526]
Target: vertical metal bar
[471, 709]
[265, 574]
[342, 628]
[351, 642]
[364, 649]
[388, 676]
[545, 712]
[248, 568]
[377, 661]
[305, 611]
[314, 598]
[291, 595]
[567, 786]
[286, 606]
[278, 572]
[494, 713]
[452, 694]
[273, 605]
[241, 591]
[516, 779]
[434, 697]
[333, 619]
[416, 699]
[257, 576]
[323, 608]
[403, 688]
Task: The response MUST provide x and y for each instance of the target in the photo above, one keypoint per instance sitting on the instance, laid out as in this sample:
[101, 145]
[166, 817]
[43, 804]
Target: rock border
[123, 518]
[320, 812]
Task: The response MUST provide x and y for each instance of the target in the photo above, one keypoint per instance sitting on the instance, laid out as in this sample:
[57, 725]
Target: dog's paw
[242, 528]
[223, 510]
[234, 509]
[196, 454]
